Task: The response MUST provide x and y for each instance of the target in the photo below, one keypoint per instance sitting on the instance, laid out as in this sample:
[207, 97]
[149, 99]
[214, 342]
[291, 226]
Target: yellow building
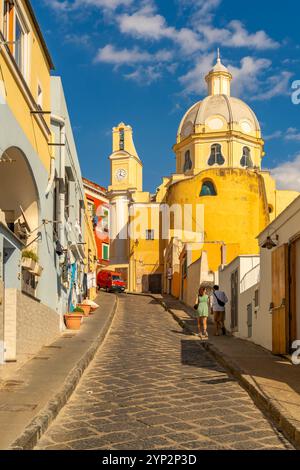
[218, 200]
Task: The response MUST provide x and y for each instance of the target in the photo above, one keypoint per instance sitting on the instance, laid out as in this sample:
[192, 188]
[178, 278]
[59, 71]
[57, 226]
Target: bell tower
[126, 166]
[126, 180]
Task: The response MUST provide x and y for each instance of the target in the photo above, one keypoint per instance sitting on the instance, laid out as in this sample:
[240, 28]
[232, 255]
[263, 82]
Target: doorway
[294, 268]
[249, 319]
[155, 283]
[234, 300]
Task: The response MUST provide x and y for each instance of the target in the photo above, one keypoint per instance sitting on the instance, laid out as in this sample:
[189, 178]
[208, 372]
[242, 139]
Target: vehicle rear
[110, 281]
[117, 283]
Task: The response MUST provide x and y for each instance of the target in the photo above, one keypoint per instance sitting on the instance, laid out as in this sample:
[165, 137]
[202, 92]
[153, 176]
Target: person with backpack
[219, 300]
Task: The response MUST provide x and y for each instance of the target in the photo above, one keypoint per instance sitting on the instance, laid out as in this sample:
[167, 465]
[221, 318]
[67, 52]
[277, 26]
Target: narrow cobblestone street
[151, 386]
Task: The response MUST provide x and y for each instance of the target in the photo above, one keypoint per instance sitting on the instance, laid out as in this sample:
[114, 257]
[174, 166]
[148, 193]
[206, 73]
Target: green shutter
[105, 252]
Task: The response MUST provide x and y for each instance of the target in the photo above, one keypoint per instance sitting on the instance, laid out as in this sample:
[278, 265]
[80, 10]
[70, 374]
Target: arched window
[187, 161]
[216, 157]
[246, 159]
[122, 139]
[208, 189]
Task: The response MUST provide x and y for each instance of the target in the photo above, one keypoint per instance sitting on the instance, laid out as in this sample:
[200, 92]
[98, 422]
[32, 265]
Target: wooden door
[280, 300]
[294, 274]
[155, 283]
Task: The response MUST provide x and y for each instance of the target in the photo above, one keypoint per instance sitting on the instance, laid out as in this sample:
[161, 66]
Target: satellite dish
[25, 220]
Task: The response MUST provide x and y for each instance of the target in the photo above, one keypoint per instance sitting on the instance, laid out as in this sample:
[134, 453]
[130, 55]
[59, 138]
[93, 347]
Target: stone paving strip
[272, 381]
[150, 386]
[32, 397]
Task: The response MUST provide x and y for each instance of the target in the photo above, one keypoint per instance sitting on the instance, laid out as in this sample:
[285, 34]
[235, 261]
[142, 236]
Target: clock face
[121, 174]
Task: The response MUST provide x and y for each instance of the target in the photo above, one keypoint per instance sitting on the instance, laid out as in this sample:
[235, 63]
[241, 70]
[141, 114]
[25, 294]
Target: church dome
[212, 108]
[219, 111]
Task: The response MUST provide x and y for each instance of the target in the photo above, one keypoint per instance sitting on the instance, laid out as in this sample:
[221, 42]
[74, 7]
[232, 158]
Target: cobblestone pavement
[151, 386]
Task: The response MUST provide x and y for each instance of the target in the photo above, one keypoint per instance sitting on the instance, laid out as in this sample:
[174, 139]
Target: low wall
[193, 284]
[37, 325]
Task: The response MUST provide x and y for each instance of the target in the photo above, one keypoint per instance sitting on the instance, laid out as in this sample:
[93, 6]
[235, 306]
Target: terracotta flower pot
[73, 321]
[85, 308]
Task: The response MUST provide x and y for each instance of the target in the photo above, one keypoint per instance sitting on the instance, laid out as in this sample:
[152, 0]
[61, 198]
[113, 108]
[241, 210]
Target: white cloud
[276, 85]
[147, 24]
[292, 134]
[273, 136]
[287, 175]
[194, 80]
[67, 5]
[78, 39]
[110, 55]
[236, 35]
[246, 76]
[202, 10]
[145, 75]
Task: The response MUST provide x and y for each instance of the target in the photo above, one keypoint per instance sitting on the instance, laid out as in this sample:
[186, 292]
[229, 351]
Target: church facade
[207, 213]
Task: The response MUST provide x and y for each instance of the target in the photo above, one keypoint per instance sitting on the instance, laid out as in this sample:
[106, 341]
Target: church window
[216, 157]
[246, 159]
[122, 140]
[149, 234]
[187, 162]
[208, 189]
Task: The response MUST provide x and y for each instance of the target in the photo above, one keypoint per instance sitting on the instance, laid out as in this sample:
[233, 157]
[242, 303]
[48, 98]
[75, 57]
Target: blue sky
[144, 61]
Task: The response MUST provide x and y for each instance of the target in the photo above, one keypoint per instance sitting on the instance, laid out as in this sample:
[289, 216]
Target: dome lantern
[219, 79]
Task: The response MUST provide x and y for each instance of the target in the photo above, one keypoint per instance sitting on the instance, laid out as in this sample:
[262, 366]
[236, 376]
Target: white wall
[248, 276]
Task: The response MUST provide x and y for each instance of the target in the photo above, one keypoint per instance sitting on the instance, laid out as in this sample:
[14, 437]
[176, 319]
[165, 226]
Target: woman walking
[202, 313]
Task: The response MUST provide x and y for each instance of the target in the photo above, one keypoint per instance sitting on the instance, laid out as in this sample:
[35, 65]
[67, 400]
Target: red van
[110, 281]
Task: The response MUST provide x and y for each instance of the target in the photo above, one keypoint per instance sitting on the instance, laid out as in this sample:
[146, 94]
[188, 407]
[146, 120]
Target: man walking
[219, 301]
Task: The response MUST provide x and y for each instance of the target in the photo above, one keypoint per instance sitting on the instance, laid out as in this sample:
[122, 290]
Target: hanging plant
[28, 254]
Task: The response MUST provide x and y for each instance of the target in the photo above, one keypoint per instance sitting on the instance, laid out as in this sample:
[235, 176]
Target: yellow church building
[207, 213]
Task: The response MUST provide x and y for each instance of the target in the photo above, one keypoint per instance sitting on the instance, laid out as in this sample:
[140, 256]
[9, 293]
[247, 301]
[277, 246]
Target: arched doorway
[19, 204]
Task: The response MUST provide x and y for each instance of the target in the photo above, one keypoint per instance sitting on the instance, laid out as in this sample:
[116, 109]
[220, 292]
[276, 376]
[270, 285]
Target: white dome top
[233, 110]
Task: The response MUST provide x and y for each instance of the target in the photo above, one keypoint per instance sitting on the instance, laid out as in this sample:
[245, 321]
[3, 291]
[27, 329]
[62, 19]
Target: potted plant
[86, 309]
[29, 260]
[92, 304]
[73, 319]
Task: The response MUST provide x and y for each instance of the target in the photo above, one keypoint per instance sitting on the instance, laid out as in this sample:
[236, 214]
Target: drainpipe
[51, 177]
